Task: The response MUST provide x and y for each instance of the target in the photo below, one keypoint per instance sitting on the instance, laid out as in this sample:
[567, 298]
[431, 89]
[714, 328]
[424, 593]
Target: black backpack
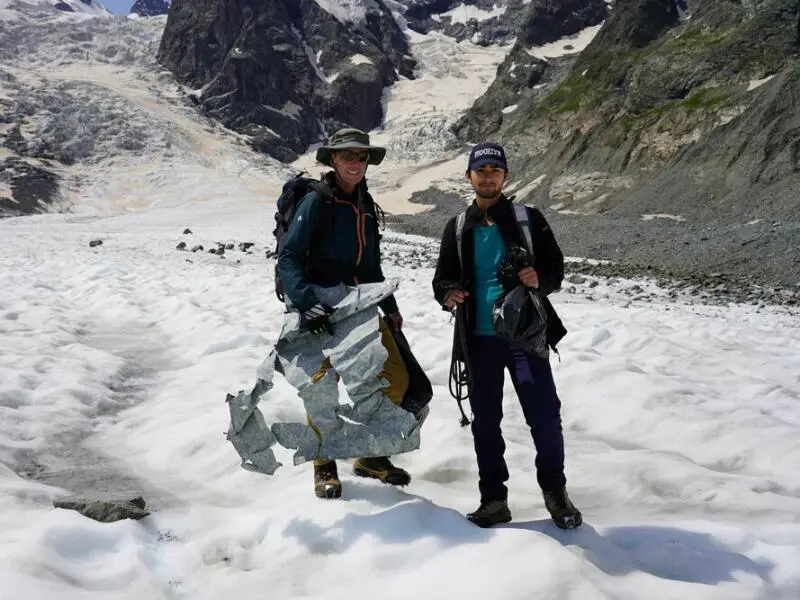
[294, 190]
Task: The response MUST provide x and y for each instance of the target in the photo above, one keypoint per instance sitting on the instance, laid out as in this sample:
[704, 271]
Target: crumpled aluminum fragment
[370, 425]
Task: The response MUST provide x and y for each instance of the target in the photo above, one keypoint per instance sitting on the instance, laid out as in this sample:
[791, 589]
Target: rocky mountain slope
[28, 169]
[289, 72]
[285, 71]
[82, 107]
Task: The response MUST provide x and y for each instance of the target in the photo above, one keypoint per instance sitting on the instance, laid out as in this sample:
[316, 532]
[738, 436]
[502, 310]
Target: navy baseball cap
[487, 153]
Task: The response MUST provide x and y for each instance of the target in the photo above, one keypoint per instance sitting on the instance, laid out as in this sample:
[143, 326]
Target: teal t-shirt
[489, 251]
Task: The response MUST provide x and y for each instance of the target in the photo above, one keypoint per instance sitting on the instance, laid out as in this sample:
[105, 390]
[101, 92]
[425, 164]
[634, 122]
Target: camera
[516, 259]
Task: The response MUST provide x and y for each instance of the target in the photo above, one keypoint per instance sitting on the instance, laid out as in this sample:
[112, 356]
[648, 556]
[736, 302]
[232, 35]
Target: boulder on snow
[106, 511]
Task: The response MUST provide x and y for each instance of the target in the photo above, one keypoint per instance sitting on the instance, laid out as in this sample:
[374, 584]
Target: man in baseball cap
[487, 171]
[487, 153]
[467, 281]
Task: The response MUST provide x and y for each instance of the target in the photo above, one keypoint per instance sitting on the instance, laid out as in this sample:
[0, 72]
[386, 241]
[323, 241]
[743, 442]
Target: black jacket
[332, 242]
[549, 261]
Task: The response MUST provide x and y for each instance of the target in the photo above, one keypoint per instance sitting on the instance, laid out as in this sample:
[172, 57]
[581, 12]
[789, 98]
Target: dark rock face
[648, 85]
[649, 91]
[276, 70]
[523, 79]
[550, 20]
[63, 7]
[150, 8]
[32, 188]
[634, 24]
[517, 77]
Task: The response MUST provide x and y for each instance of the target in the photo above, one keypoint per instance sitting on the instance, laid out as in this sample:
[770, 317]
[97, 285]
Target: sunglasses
[350, 156]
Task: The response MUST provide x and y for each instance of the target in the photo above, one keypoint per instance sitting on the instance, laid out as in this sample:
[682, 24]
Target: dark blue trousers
[533, 382]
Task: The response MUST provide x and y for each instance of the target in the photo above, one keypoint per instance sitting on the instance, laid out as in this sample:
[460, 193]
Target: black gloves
[315, 319]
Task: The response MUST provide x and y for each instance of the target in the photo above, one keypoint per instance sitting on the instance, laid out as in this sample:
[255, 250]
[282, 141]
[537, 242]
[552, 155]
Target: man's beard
[486, 194]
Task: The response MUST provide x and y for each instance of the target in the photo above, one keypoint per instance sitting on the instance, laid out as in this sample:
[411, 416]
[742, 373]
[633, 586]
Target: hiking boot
[490, 513]
[380, 467]
[561, 509]
[326, 479]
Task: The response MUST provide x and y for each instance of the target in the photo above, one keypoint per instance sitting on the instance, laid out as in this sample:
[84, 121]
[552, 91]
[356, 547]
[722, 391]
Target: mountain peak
[150, 8]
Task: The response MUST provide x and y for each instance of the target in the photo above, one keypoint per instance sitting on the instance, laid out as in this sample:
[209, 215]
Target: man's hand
[315, 319]
[528, 277]
[397, 320]
[454, 297]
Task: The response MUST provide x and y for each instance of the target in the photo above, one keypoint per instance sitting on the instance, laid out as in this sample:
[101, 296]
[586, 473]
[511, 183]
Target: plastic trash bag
[520, 318]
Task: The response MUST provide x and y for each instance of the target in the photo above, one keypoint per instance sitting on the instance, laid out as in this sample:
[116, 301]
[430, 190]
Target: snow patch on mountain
[464, 13]
[360, 59]
[349, 11]
[757, 83]
[571, 44]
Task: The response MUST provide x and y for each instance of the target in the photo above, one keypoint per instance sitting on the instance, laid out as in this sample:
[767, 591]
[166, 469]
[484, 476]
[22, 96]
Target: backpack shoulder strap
[460, 220]
[322, 189]
[325, 194]
[523, 222]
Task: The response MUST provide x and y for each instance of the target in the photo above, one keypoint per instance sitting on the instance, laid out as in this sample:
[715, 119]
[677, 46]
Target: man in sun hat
[469, 281]
[330, 246]
[353, 140]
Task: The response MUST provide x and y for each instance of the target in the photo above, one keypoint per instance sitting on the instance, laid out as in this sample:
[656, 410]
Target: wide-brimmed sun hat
[350, 139]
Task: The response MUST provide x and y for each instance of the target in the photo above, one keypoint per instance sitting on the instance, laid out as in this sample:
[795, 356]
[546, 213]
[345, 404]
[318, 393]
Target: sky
[681, 420]
[118, 7]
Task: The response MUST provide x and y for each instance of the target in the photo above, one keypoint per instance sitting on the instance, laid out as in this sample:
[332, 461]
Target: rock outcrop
[522, 78]
[150, 8]
[285, 72]
[546, 21]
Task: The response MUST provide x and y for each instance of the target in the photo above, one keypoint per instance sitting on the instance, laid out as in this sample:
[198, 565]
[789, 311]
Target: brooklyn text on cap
[487, 153]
